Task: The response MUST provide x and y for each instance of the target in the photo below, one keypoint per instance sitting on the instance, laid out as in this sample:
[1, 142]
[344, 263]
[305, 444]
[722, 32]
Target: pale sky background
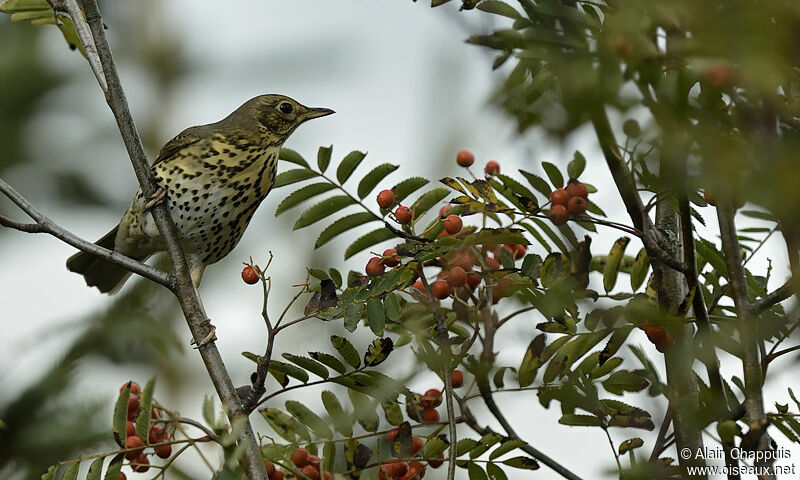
[405, 88]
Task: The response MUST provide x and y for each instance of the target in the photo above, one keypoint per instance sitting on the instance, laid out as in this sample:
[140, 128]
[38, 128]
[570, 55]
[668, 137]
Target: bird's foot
[210, 337]
[156, 198]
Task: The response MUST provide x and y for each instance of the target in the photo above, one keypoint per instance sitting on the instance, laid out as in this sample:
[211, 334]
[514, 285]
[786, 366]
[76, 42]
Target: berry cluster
[465, 159]
[158, 434]
[568, 201]
[308, 464]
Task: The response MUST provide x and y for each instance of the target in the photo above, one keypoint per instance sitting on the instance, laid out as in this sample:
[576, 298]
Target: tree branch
[782, 293]
[187, 295]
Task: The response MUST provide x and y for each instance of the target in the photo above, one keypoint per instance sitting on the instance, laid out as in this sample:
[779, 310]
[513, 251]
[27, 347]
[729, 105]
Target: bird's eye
[285, 107]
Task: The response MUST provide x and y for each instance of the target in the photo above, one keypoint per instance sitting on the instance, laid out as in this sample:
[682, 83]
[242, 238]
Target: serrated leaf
[364, 410]
[282, 423]
[408, 186]
[525, 463]
[120, 419]
[487, 441]
[302, 195]
[373, 178]
[530, 361]
[208, 410]
[329, 360]
[495, 236]
[376, 318]
[293, 176]
[288, 369]
[304, 362]
[50, 474]
[290, 155]
[114, 467]
[465, 445]
[71, 473]
[341, 419]
[476, 472]
[499, 8]
[324, 157]
[346, 350]
[372, 238]
[323, 209]
[349, 164]
[391, 305]
[378, 350]
[629, 445]
[95, 469]
[342, 225]
[428, 200]
[624, 381]
[506, 447]
[392, 412]
[556, 179]
[434, 446]
[613, 262]
[580, 420]
[639, 269]
[352, 315]
[537, 183]
[577, 165]
[495, 472]
[309, 418]
[145, 407]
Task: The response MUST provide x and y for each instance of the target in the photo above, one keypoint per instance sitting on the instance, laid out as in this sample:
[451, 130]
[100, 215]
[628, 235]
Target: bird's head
[278, 115]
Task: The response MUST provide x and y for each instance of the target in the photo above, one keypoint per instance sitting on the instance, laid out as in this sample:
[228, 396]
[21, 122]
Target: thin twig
[782, 293]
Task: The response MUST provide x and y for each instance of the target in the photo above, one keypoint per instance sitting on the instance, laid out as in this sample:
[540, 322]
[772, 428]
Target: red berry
[375, 267]
[457, 378]
[519, 251]
[122, 476]
[465, 158]
[709, 197]
[270, 468]
[432, 398]
[559, 197]
[155, 413]
[416, 470]
[443, 211]
[136, 443]
[419, 286]
[576, 205]
[492, 168]
[130, 429]
[327, 476]
[430, 415]
[313, 460]
[578, 190]
[492, 263]
[437, 463]
[395, 469]
[249, 275]
[473, 280]
[135, 388]
[143, 463]
[558, 215]
[163, 451]
[440, 289]
[416, 445]
[403, 215]
[457, 277]
[392, 434]
[300, 457]
[385, 198]
[453, 224]
[390, 258]
[277, 476]
[157, 434]
[133, 407]
[504, 288]
[311, 472]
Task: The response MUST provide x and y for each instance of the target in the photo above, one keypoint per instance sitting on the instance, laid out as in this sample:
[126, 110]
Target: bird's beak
[316, 113]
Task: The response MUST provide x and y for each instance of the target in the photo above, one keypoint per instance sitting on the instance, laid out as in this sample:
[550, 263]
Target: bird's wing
[182, 140]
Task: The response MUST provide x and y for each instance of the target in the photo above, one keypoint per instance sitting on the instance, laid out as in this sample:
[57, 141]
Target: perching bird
[212, 177]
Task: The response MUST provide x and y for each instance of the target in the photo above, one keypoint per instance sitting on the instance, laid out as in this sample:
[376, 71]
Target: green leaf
[301, 195]
[499, 8]
[329, 360]
[392, 412]
[364, 410]
[283, 424]
[145, 406]
[325, 208]
[304, 362]
[553, 174]
[495, 236]
[408, 186]
[309, 418]
[95, 469]
[335, 276]
[52, 469]
[577, 165]
[538, 183]
[495, 472]
[580, 420]
[373, 178]
[208, 410]
[487, 441]
[349, 165]
[372, 238]
[293, 176]
[615, 256]
[433, 447]
[290, 155]
[120, 424]
[639, 269]
[428, 200]
[506, 447]
[525, 463]
[341, 419]
[328, 456]
[324, 157]
[378, 350]
[288, 369]
[342, 225]
[346, 350]
[352, 315]
[465, 445]
[476, 472]
[630, 444]
[114, 467]
[71, 473]
[624, 381]
[376, 318]
[391, 304]
[530, 361]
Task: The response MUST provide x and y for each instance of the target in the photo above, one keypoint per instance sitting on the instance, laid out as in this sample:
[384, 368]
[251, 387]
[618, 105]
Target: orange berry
[559, 197]
[133, 407]
[416, 445]
[437, 463]
[143, 463]
[157, 434]
[385, 198]
[403, 215]
[136, 443]
[313, 460]
[270, 468]
[453, 224]
[155, 413]
[392, 434]
[419, 286]
[311, 472]
[163, 451]
[578, 190]
[375, 267]
[122, 476]
[300, 457]
[430, 415]
[520, 251]
[327, 476]
[457, 277]
[443, 211]
[457, 378]
[432, 398]
[390, 258]
[492, 168]
[492, 263]
[130, 429]
[135, 388]
[416, 470]
[440, 289]
[558, 215]
[277, 476]
[473, 280]
[576, 205]
[249, 275]
[465, 158]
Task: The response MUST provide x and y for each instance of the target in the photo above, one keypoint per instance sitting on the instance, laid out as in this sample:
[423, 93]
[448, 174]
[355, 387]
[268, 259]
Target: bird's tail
[106, 276]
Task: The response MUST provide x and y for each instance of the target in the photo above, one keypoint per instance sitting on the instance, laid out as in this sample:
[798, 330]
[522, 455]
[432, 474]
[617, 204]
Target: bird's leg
[211, 336]
[156, 198]
[196, 269]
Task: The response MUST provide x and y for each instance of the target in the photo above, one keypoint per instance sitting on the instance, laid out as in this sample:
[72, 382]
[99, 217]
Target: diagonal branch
[45, 225]
[782, 293]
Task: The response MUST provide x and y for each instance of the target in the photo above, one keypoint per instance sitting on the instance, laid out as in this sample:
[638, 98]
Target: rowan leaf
[323, 209]
[303, 194]
[290, 155]
[373, 178]
[349, 164]
[372, 238]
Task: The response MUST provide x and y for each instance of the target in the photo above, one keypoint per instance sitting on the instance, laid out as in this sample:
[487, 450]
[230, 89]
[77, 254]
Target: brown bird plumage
[212, 177]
